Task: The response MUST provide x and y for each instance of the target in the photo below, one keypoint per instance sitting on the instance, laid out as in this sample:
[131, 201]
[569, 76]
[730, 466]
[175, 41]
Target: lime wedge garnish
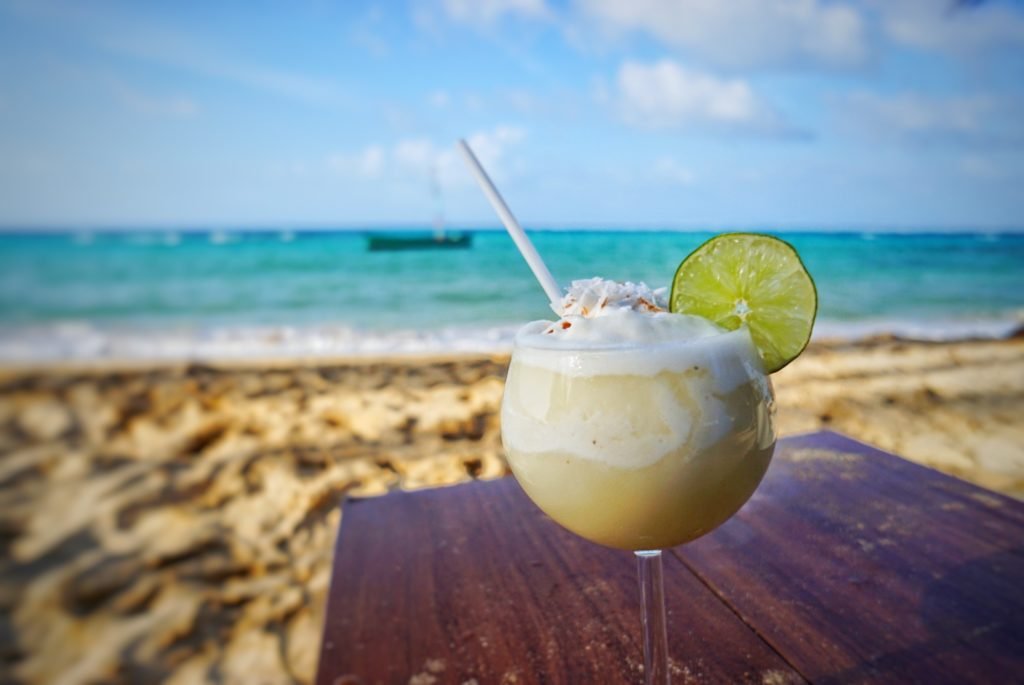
[752, 279]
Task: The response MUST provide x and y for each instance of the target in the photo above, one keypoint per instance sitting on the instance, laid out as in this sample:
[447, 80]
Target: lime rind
[750, 279]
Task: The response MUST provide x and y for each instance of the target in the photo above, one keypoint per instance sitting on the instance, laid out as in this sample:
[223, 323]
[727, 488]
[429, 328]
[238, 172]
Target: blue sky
[692, 113]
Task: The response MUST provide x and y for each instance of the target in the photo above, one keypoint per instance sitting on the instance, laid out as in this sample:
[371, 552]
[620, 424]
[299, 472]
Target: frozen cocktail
[632, 426]
[641, 421]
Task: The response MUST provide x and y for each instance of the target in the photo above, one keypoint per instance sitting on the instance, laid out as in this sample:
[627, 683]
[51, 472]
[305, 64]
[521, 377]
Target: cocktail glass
[640, 447]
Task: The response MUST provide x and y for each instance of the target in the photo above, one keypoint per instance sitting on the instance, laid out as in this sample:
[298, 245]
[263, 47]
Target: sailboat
[438, 239]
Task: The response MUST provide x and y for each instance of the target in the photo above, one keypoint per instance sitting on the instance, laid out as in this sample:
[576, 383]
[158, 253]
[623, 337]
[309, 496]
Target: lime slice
[758, 280]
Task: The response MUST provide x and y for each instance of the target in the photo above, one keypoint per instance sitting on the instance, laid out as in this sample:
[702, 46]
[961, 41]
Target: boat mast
[435, 192]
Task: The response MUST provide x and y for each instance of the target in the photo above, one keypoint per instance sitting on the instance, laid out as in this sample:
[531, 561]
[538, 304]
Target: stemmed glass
[640, 447]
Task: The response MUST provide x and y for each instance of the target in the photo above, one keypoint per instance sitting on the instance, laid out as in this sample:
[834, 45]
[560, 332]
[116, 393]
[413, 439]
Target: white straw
[540, 270]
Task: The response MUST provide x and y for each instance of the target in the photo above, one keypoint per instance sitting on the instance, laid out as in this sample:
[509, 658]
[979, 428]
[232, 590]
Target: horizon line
[363, 227]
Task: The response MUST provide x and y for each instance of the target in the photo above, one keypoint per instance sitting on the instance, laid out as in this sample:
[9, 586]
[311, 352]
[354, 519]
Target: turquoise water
[201, 284]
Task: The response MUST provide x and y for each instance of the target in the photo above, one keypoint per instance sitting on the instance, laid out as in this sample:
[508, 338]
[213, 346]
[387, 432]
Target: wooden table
[849, 565]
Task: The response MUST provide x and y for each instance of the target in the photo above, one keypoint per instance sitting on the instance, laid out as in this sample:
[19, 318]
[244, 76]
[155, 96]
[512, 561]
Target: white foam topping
[600, 314]
[611, 329]
[608, 327]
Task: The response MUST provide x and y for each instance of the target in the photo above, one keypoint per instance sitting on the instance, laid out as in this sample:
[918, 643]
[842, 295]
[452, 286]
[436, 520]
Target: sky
[905, 114]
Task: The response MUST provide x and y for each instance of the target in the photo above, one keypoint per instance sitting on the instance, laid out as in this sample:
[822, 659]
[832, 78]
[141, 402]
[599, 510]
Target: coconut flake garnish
[595, 297]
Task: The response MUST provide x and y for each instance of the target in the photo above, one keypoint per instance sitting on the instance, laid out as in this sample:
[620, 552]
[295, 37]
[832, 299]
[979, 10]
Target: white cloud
[940, 25]
[419, 158]
[491, 147]
[487, 12]
[973, 119]
[667, 95]
[416, 154]
[741, 33]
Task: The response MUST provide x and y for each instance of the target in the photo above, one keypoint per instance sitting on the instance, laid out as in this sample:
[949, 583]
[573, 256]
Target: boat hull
[390, 243]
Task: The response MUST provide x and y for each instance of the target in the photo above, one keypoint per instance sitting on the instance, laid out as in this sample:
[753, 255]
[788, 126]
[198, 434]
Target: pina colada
[643, 422]
[634, 427]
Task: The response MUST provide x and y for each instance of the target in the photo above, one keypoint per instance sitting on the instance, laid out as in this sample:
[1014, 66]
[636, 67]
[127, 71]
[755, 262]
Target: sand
[176, 523]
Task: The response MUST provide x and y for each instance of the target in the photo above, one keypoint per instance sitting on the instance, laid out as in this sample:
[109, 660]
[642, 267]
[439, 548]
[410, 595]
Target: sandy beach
[176, 522]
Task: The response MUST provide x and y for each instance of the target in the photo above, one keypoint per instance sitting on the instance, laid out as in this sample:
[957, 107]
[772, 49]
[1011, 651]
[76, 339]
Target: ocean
[166, 294]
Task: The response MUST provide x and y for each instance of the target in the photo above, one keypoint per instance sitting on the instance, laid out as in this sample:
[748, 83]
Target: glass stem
[652, 617]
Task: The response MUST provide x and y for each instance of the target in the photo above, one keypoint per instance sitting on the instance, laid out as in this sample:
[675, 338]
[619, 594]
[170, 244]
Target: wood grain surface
[860, 567]
[849, 565]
